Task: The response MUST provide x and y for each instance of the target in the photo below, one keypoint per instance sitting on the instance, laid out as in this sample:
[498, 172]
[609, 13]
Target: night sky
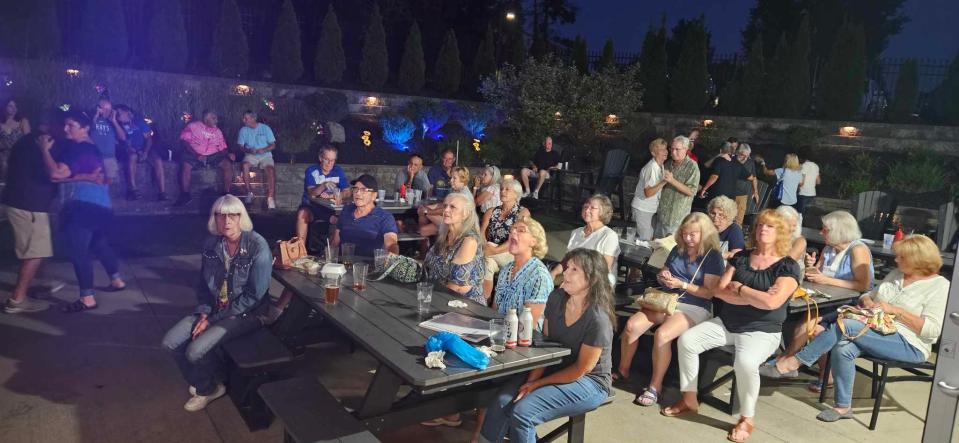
[932, 32]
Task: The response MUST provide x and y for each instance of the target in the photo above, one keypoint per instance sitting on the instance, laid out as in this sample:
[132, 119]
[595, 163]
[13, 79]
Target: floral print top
[498, 230]
[8, 139]
[440, 268]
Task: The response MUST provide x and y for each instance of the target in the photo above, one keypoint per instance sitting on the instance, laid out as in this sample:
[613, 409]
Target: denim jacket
[248, 278]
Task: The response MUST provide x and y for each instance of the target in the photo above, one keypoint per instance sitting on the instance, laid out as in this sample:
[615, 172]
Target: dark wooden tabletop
[393, 207]
[384, 320]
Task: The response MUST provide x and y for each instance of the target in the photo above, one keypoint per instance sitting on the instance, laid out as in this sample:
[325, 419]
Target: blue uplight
[397, 130]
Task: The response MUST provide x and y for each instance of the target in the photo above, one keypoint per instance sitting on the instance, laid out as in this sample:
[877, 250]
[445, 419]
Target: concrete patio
[102, 377]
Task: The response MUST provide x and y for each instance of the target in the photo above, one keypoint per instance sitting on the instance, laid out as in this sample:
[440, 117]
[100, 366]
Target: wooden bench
[310, 414]
[575, 426]
[258, 357]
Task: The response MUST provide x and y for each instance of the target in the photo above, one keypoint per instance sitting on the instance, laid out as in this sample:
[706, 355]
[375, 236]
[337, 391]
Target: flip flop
[76, 306]
[743, 425]
[617, 376]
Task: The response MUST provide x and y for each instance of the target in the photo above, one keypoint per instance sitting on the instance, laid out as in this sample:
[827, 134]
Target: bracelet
[685, 286]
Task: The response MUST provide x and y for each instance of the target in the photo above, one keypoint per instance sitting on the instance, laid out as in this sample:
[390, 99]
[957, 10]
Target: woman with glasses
[722, 212]
[431, 216]
[596, 213]
[236, 272]
[364, 224]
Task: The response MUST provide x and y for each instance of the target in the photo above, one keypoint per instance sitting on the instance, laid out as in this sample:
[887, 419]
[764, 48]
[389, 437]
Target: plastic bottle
[526, 328]
[512, 326]
[403, 191]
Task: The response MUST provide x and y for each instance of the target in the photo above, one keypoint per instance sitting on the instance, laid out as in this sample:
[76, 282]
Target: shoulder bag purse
[287, 251]
[658, 300]
[874, 318]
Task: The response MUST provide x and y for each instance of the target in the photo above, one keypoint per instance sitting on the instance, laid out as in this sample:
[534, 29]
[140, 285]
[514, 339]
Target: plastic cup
[346, 254]
[331, 289]
[359, 275]
[381, 195]
[424, 296]
[887, 240]
[497, 334]
[332, 256]
[379, 259]
[630, 233]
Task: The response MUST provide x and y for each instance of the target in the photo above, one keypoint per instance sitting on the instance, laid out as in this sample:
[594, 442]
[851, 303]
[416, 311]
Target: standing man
[256, 140]
[544, 160]
[139, 148]
[439, 175]
[811, 179]
[682, 182]
[204, 146]
[321, 181]
[725, 174]
[748, 187]
[413, 176]
[106, 134]
[648, 190]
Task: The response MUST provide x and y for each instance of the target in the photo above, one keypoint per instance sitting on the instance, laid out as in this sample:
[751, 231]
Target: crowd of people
[733, 282]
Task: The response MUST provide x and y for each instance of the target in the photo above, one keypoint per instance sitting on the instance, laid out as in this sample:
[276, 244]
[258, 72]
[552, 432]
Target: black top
[546, 160]
[747, 318]
[28, 186]
[592, 329]
[745, 187]
[728, 171]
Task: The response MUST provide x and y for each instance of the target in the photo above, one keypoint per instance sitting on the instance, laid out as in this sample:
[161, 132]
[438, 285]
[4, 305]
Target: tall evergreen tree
[37, 34]
[330, 61]
[412, 74]
[104, 32]
[776, 77]
[167, 38]
[690, 80]
[652, 70]
[448, 70]
[484, 63]
[230, 54]
[516, 51]
[580, 55]
[608, 60]
[944, 106]
[745, 92]
[907, 92]
[796, 91]
[286, 59]
[375, 66]
[843, 78]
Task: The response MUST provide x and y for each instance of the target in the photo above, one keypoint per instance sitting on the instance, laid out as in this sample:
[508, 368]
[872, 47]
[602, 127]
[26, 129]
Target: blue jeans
[87, 240]
[802, 204]
[195, 358]
[842, 361]
[540, 406]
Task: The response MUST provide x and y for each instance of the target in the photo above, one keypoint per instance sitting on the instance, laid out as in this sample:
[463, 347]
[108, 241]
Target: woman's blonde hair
[470, 225]
[792, 162]
[920, 254]
[725, 204]
[784, 240]
[228, 204]
[605, 207]
[709, 237]
[536, 230]
[658, 143]
[842, 227]
[462, 173]
[493, 172]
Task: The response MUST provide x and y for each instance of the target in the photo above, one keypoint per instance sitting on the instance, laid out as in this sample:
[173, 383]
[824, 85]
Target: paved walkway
[101, 377]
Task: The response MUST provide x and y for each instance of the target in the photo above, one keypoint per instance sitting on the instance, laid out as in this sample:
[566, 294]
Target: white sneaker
[535, 195]
[249, 198]
[199, 402]
[525, 194]
[192, 391]
[270, 203]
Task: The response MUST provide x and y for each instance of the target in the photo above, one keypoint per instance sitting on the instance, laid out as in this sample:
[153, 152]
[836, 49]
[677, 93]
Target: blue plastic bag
[453, 344]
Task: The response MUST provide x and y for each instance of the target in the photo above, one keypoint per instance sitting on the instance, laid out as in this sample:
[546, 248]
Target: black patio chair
[873, 210]
[610, 180]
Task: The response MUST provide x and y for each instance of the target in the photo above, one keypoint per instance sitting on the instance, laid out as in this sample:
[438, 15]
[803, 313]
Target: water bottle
[512, 326]
[526, 328]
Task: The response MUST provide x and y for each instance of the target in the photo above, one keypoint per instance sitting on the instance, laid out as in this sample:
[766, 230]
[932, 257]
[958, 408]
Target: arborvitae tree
[608, 60]
[516, 52]
[446, 75]
[690, 80]
[580, 55]
[944, 104]
[286, 60]
[907, 92]
[796, 90]
[776, 76]
[43, 31]
[652, 70]
[374, 67]
[229, 55]
[843, 78]
[484, 63]
[743, 96]
[330, 60]
[413, 65]
[104, 32]
[167, 38]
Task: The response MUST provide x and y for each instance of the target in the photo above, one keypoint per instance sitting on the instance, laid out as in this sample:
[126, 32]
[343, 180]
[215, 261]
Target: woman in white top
[648, 188]
[810, 179]
[914, 293]
[486, 189]
[597, 211]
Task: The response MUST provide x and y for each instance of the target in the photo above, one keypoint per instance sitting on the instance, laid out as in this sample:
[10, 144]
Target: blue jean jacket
[248, 278]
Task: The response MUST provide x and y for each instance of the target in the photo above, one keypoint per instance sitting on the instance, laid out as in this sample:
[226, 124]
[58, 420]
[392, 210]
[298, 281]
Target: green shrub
[374, 67]
[652, 70]
[448, 70]
[286, 60]
[230, 54]
[330, 61]
[907, 92]
[608, 59]
[580, 55]
[690, 79]
[429, 115]
[797, 137]
[327, 106]
[484, 63]
[922, 171]
[853, 185]
[842, 81]
[413, 66]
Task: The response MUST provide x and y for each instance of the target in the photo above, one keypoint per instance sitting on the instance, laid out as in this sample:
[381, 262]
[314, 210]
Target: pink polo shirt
[203, 139]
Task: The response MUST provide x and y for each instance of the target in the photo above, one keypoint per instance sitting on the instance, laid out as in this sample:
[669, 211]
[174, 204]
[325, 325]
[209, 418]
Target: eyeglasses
[228, 216]
[519, 229]
[354, 189]
[717, 215]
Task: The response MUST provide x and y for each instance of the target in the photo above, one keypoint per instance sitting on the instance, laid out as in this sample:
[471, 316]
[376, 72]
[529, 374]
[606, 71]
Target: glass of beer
[346, 254]
[331, 288]
[359, 276]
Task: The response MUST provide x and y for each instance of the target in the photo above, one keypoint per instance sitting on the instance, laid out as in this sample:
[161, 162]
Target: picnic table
[813, 236]
[384, 320]
[633, 255]
[394, 207]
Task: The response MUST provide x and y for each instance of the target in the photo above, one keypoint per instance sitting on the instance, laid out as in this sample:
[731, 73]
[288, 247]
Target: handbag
[658, 300]
[811, 319]
[287, 251]
[402, 269]
[874, 318]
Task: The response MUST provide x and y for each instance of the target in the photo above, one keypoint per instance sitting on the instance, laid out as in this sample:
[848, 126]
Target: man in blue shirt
[439, 175]
[139, 148]
[256, 140]
[321, 181]
[106, 134]
[364, 224]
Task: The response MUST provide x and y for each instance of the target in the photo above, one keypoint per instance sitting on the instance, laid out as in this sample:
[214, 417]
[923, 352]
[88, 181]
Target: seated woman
[798, 250]
[915, 293]
[486, 189]
[236, 272]
[496, 226]
[692, 270]
[722, 211]
[579, 315]
[456, 259]
[597, 211]
[755, 289]
[364, 224]
[431, 216]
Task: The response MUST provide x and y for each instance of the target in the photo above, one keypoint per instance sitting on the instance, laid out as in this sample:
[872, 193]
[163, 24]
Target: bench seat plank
[311, 414]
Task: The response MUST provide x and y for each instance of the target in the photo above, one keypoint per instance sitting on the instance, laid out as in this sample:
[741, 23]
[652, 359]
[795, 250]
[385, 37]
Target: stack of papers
[468, 328]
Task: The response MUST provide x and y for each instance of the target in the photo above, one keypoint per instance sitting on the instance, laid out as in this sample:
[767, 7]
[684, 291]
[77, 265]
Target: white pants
[496, 262]
[644, 224]
[751, 350]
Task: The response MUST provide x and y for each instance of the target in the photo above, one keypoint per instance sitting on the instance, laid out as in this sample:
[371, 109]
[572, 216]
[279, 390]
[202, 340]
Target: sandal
[816, 386]
[677, 409]
[742, 426]
[617, 376]
[77, 306]
[649, 397]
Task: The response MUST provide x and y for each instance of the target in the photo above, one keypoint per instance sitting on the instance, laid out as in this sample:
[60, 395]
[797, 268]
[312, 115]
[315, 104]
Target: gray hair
[683, 140]
[744, 149]
[228, 204]
[726, 205]
[470, 225]
[792, 214]
[513, 185]
[605, 207]
[727, 148]
[842, 226]
[494, 171]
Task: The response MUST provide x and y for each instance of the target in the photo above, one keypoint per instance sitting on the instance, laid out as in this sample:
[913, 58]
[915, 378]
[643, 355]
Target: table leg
[381, 394]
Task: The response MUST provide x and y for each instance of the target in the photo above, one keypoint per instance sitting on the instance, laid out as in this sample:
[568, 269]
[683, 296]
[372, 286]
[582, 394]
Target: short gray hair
[725, 204]
[514, 185]
[744, 148]
[727, 148]
[605, 207]
[842, 226]
[681, 139]
[228, 204]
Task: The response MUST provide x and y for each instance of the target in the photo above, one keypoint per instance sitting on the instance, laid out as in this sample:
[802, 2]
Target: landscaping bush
[743, 95]
[608, 59]
[230, 54]
[330, 60]
[944, 101]
[484, 63]
[842, 82]
[448, 70]
[690, 79]
[328, 106]
[907, 92]
[397, 129]
[412, 65]
[374, 67]
[580, 55]
[797, 137]
[429, 115]
[652, 70]
[286, 61]
[922, 171]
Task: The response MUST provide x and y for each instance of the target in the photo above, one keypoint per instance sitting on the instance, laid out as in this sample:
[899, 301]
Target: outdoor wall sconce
[371, 101]
[558, 115]
[73, 72]
[242, 90]
[707, 123]
[510, 16]
[612, 119]
[849, 131]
